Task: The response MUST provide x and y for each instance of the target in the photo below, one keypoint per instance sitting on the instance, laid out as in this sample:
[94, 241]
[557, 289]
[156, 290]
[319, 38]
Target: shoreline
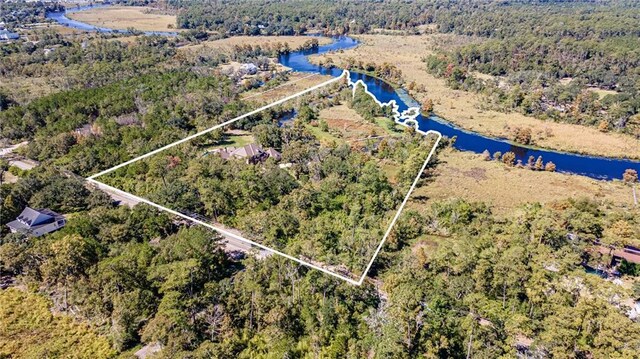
[492, 130]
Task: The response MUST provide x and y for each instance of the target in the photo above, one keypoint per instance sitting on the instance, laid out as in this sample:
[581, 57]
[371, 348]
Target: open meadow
[465, 175]
[296, 82]
[228, 44]
[125, 17]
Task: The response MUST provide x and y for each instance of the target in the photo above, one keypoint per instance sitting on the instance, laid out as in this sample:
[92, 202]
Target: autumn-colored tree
[531, 162]
[427, 106]
[603, 126]
[550, 167]
[509, 158]
[630, 176]
[522, 135]
[539, 165]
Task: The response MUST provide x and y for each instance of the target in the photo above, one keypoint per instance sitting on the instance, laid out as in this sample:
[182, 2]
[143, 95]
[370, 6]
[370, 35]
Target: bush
[550, 167]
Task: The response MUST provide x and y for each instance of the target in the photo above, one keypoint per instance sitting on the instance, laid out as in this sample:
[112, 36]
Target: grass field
[464, 108]
[297, 82]
[234, 138]
[228, 43]
[467, 176]
[24, 89]
[349, 123]
[124, 17]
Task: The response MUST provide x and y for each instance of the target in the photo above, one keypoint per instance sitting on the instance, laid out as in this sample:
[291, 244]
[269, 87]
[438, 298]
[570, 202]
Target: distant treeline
[21, 13]
[279, 17]
[530, 47]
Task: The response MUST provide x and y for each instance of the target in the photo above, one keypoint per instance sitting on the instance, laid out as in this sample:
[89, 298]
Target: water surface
[590, 166]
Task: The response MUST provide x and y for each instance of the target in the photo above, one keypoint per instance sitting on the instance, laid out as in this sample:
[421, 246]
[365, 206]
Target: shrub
[550, 167]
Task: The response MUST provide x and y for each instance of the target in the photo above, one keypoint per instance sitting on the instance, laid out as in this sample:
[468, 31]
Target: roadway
[231, 244]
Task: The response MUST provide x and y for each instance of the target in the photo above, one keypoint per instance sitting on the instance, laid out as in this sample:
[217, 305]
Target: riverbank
[597, 166]
[228, 44]
[468, 176]
[465, 109]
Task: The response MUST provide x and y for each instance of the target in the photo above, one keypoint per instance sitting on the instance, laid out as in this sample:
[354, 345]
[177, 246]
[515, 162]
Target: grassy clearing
[464, 108]
[465, 175]
[24, 89]
[234, 138]
[237, 139]
[352, 126]
[297, 82]
[601, 92]
[390, 169]
[263, 41]
[124, 17]
[325, 138]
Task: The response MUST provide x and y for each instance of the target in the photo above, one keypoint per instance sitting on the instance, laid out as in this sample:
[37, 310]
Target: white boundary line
[188, 138]
[406, 118]
[279, 86]
[404, 202]
[220, 230]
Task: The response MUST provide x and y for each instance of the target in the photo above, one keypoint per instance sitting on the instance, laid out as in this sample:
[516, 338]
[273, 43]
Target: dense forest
[253, 17]
[115, 101]
[549, 60]
[332, 203]
[454, 280]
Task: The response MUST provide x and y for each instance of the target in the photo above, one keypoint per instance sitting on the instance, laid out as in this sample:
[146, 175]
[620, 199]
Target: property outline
[406, 118]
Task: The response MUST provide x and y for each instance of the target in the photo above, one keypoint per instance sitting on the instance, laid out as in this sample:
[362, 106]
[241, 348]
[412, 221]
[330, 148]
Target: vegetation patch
[126, 17]
[303, 187]
[28, 329]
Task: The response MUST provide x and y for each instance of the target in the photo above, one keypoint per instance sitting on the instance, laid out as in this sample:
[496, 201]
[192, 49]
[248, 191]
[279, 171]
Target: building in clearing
[252, 152]
[36, 222]
[249, 69]
[6, 35]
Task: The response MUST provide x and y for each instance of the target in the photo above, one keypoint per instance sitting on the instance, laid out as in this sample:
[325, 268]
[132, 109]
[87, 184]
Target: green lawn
[384, 123]
[234, 140]
[324, 137]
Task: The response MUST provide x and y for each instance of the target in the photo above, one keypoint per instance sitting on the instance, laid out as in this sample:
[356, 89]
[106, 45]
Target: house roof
[8, 35]
[35, 217]
[627, 254]
[250, 150]
[31, 218]
[224, 153]
[273, 153]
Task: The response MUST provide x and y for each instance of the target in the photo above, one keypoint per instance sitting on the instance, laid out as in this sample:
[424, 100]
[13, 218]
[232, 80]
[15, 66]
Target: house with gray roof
[6, 35]
[252, 152]
[36, 222]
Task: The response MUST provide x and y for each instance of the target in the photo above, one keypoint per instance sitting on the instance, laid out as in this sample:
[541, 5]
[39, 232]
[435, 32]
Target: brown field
[297, 82]
[465, 109]
[228, 43]
[124, 17]
[349, 123]
[467, 176]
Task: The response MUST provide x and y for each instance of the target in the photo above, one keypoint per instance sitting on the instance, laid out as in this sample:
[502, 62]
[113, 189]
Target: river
[590, 166]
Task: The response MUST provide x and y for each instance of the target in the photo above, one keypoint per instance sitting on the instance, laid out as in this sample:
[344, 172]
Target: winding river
[590, 166]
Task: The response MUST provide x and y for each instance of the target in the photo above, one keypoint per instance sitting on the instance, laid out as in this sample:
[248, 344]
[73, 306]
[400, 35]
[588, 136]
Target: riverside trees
[453, 280]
